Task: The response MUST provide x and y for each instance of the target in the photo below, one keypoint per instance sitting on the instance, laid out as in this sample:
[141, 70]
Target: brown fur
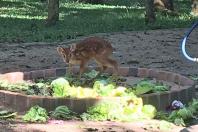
[90, 48]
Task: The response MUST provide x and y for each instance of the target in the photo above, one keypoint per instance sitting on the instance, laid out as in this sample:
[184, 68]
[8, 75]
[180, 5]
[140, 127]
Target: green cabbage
[60, 87]
[36, 114]
[62, 112]
[103, 88]
[149, 110]
[144, 87]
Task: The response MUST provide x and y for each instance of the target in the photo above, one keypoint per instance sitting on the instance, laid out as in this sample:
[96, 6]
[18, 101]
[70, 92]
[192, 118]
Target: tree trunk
[164, 4]
[150, 14]
[53, 12]
[194, 7]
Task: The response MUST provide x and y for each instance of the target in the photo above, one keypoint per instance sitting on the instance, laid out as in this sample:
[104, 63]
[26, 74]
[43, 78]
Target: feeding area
[135, 94]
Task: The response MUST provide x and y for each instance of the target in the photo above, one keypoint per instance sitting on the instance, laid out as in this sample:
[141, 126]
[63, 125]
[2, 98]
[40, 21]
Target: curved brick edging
[19, 102]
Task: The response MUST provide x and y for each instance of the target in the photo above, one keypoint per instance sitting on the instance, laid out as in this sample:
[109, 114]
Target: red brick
[49, 103]
[133, 71]
[79, 105]
[13, 77]
[154, 99]
[170, 77]
[123, 71]
[37, 74]
[21, 103]
[2, 98]
[49, 73]
[162, 75]
[164, 100]
[60, 72]
[183, 80]
[27, 76]
[189, 82]
[64, 101]
[143, 72]
[92, 101]
[34, 100]
[176, 80]
[153, 73]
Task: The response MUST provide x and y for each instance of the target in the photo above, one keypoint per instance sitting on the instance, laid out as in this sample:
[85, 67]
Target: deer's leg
[70, 68]
[82, 67]
[107, 62]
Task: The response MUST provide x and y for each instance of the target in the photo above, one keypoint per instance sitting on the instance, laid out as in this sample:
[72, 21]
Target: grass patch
[24, 20]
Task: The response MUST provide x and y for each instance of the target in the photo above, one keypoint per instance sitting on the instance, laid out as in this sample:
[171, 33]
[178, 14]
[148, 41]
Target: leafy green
[125, 109]
[39, 89]
[181, 116]
[91, 75]
[60, 87]
[100, 112]
[184, 113]
[179, 121]
[146, 86]
[149, 110]
[4, 114]
[119, 92]
[62, 112]
[28, 88]
[103, 88]
[165, 126]
[36, 114]
[143, 87]
[23, 86]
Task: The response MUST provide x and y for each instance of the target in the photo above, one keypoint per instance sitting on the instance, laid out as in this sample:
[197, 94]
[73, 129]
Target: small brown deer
[90, 48]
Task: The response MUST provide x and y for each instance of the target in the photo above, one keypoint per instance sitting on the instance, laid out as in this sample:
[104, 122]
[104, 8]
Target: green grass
[24, 20]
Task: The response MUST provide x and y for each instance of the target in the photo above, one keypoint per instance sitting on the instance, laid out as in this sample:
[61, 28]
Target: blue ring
[183, 43]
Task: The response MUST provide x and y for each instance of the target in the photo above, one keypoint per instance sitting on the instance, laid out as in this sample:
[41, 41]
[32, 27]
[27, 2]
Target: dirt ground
[90, 126]
[151, 49]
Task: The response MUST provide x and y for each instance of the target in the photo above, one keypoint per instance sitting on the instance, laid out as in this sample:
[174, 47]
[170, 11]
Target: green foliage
[62, 112]
[14, 87]
[24, 20]
[60, 87]
[143, 87]
[182, 116]
[149, 111]
[103, 88]
[125, 109]
[36, 114]
[120, 91]
[4, 114]
[27, 88]
[147, 86]
[41, 89]
[91, 75]
[100, 112]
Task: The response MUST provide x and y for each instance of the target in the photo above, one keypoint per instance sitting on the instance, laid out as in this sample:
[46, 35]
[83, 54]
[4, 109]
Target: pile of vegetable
[29, 88]
[63, 112]
[4, 115]
[183, 116]
[36, 114]
[126, 109]
[92, 84]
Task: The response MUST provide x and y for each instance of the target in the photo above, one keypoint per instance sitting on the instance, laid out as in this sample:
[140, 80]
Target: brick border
[21, 103]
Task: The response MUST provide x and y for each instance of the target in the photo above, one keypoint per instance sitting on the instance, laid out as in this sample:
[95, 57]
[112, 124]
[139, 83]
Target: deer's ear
[60, 49]
[72, 47]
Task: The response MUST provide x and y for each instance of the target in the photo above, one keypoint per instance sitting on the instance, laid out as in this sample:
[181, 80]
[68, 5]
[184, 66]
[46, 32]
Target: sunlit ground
[24, 20]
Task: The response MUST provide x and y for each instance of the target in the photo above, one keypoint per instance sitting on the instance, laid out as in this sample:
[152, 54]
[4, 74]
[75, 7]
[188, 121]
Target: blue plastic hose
[183, 43]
